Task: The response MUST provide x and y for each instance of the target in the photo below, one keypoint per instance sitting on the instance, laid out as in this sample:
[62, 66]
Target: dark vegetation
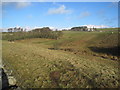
[36, 33]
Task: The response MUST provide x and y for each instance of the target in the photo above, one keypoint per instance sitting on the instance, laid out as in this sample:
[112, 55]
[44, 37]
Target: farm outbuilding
[82, 28]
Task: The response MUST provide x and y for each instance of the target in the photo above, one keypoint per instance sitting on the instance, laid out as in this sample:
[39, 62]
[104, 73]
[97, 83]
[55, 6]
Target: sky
[59, 14]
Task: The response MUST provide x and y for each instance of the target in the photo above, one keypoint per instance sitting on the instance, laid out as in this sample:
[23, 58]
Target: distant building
[82, 28]
[91, 29]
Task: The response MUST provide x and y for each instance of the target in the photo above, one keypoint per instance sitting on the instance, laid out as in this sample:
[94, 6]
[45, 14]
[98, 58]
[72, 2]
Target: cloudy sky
[59, 14]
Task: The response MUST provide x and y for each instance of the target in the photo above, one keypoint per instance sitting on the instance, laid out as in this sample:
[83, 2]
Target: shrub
[11, 36]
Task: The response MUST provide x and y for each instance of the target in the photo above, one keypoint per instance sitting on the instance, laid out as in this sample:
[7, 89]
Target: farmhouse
[82, 28]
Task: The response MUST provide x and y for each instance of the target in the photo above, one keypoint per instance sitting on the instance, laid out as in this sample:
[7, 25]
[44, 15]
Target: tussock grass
[35, 65]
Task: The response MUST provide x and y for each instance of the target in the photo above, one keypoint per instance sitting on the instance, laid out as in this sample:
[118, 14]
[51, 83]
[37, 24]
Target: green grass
[35, 65]
[108, 29]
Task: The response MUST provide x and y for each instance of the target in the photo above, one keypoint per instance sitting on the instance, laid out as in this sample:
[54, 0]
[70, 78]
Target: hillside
[76, 60]
[108, 29]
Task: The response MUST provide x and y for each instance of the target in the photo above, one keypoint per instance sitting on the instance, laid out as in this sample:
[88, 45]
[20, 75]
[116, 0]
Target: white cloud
[96, 26]
[59, 28]
[84, 14]
[66, 28]
[60, 10]
[22, 4]
[53, 28]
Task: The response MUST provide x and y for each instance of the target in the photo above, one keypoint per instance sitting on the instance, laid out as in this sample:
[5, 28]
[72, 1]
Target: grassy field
[108, 29]
[76, 60]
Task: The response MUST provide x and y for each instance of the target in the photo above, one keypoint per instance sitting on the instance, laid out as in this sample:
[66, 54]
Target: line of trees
[36, 33]
[16, 29]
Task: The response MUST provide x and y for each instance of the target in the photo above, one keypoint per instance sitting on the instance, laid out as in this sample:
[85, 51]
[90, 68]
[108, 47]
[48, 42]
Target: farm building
[82, 28]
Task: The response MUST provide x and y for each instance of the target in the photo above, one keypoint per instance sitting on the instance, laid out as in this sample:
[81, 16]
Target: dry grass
[35, 65]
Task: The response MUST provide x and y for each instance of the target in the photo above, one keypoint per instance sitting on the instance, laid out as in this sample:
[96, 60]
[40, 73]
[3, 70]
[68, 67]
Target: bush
[11, 36]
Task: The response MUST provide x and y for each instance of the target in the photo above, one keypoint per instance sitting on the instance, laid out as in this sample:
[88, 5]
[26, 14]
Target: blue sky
[59, 14]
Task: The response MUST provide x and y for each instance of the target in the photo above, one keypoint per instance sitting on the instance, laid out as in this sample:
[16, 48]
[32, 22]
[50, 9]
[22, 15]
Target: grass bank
[37, 66]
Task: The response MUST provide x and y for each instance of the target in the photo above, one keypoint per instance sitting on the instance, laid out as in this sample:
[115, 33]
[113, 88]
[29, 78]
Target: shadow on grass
[53, 48]
[110, 50]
